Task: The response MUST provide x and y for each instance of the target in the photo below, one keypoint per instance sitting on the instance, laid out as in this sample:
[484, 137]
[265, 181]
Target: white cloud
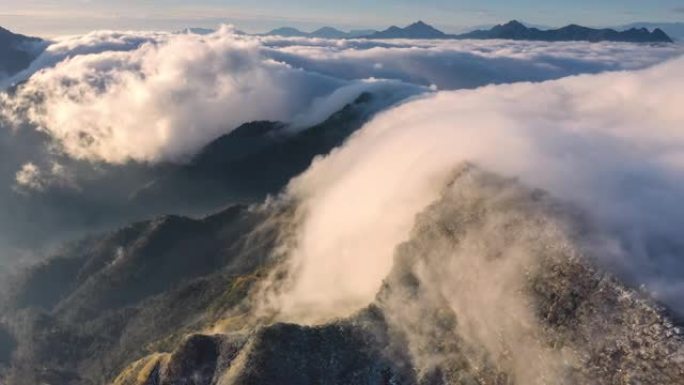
[150, 96]
[146, 96]
[456, 64]
[113, 97]
[612, 144]
[32, 178]
[29, 176]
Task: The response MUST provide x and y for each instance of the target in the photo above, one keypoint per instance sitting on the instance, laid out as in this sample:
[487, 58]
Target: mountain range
[325, 33]
[513, 30]
[172, 301]
[418, 30]
[674, 30]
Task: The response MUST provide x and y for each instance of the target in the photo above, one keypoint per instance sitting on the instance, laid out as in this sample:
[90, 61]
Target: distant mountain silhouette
[418, 30]
[17, 51]
[329, 33]
[514, 30]
[287, 32]
[673, 30]
[198, 31]
[325, 33]
[354, 33]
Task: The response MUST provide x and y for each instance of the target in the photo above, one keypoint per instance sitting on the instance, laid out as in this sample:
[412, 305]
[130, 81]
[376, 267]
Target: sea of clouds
[599, 126]
[609, 142]
[611, 145]
[131, 96]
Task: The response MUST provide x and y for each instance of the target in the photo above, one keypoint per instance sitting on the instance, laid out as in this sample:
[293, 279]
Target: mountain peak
[287, 32]
[514, 25]
[660, 35]
[329, 33]
[327, 29]
[17, 51]
[417, 30]
[422, 26]
[419, 23]
[516, 30]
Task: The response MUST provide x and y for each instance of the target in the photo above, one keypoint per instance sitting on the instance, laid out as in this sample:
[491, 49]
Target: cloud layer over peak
[111, 98]
[611, 145]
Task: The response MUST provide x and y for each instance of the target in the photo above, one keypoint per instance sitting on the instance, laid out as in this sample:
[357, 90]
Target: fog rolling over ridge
[582, 139]
[112, 108]
[493, 254]
[393, 212]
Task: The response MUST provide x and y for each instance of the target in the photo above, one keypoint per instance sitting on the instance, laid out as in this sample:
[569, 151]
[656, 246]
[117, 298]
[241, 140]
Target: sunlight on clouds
[601, 142]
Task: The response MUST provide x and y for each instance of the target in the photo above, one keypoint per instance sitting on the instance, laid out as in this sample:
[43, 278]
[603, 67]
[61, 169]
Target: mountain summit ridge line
[513, 30]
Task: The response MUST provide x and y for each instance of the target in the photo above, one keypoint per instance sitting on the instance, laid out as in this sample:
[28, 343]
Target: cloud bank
[147, 97]
[457, 64]
[164, 100]
[611, 145]
[130, 99]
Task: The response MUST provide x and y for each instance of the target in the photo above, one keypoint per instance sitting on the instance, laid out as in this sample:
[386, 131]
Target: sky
[59, 17]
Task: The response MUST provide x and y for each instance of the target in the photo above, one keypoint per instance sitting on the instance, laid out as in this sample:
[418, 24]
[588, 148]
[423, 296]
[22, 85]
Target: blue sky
[53, 17]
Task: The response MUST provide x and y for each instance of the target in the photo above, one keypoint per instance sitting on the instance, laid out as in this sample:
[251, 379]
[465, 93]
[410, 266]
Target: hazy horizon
[47, 18]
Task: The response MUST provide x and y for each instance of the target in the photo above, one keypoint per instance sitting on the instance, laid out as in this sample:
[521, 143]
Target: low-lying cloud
[610, 144]
[130, 98]
[458, 64]
[146, 97]
[164, 100]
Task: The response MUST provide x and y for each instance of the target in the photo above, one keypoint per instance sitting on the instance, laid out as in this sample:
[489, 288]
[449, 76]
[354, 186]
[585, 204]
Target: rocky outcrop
[498, 284]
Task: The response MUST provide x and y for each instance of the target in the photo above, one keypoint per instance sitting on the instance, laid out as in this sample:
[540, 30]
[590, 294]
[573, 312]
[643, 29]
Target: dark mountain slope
[129, 293]
[674, 30]
[530, 291]
[354, 351]
[243, 166]
[17, 51]
[252, 161]
[7, 346]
